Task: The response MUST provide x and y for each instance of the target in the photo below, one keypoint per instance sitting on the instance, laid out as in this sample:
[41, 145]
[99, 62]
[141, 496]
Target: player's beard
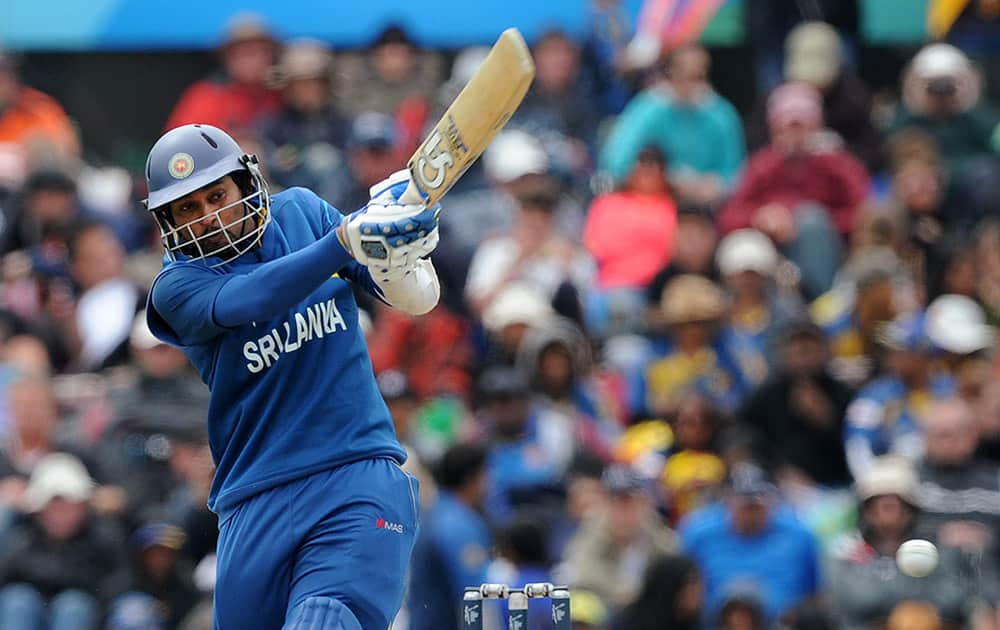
[217, 245]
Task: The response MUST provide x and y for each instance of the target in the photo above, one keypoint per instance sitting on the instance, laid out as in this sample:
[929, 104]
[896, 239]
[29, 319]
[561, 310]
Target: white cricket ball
[917, 558]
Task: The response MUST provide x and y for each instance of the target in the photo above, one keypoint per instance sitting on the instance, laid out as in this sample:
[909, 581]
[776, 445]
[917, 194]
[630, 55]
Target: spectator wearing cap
[304, 140]
[799, 413]
[887, 416]
[759, 303]
[611, 551]
[957, 327]
[698, 131]
[802, 190]
[751, 537]
[814, 54]
[158, 592]
[237, 97]
[942, 95]
[506, 320]
[557, 359]
[454, 545]
[58, 568]
[534, 252]
[671, 596]
[531, 446]
[863, 582]
[693, 354]
[32, 126]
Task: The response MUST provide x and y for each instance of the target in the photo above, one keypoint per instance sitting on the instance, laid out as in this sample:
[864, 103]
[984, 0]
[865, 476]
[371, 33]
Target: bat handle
[412, 195]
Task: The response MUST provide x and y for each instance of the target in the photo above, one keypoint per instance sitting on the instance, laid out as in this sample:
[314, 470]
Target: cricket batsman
[316, 519]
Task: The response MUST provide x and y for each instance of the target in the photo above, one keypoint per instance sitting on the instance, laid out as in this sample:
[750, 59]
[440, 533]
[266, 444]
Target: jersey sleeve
[180, 308]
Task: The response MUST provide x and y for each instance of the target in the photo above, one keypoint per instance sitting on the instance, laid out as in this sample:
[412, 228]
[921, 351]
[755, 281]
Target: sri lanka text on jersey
[319, 319]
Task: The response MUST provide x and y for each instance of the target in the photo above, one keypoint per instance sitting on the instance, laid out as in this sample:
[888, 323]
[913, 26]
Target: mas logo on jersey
[181, 165]
[381, 523]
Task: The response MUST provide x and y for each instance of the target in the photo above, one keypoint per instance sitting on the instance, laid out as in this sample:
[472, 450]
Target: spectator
[801, 190]
[698, 131]
[433, 351]
[671, 597]
[750, 537]
[33, 127]
[614, 546]
[108, 300]
[303, 141]
[159, 591]
[959, 495]
[888, 414]
[871, 291]
[693, 252]
[760, 305]
[556, 358]
[630, 233]
[742, 610]
[864, 582]
[58, 568]
[694, 471]
[453, 547]
[522, 558]
[508, 317]
[236, 98]
[799, 413]
[562, 107]
[693, 355]
[530, 446]
[371, 157]
[393, 78]
[48, 208]
[957, 327]
[942, 95]
[533, 253]
[814, 54]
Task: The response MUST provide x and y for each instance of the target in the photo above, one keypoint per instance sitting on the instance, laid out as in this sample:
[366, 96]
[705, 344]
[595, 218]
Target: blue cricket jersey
[293, 393]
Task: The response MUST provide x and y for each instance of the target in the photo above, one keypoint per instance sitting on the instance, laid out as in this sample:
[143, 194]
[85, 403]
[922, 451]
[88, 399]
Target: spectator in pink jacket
[802, 189]
[630, 233]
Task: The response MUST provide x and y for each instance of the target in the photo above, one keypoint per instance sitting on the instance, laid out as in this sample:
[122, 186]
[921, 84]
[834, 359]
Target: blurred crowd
[709, 367]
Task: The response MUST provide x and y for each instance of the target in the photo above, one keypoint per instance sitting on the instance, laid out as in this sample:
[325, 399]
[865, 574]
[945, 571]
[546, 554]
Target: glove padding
[388, 237]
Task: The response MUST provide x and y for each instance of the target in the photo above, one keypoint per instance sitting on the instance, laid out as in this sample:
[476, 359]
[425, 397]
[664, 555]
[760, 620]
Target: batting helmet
[191, 157]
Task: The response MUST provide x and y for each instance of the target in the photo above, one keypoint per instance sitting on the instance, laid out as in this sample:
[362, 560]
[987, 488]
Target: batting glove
[389, 237]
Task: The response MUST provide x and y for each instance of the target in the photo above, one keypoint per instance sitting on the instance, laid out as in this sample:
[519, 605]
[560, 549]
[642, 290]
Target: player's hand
[389, 237]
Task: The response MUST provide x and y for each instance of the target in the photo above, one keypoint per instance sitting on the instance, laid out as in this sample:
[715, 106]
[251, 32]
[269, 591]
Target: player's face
[200, 213]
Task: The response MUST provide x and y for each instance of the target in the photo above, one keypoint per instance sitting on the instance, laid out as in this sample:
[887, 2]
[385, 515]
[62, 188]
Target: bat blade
[473, 119]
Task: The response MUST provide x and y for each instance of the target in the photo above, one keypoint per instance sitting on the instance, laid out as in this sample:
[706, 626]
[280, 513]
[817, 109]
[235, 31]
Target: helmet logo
[181, 165]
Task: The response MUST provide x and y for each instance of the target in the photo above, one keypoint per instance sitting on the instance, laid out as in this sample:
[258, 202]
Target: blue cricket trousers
[328, 551]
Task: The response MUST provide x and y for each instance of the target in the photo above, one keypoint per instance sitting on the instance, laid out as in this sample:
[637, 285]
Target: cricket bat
[471, 122]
